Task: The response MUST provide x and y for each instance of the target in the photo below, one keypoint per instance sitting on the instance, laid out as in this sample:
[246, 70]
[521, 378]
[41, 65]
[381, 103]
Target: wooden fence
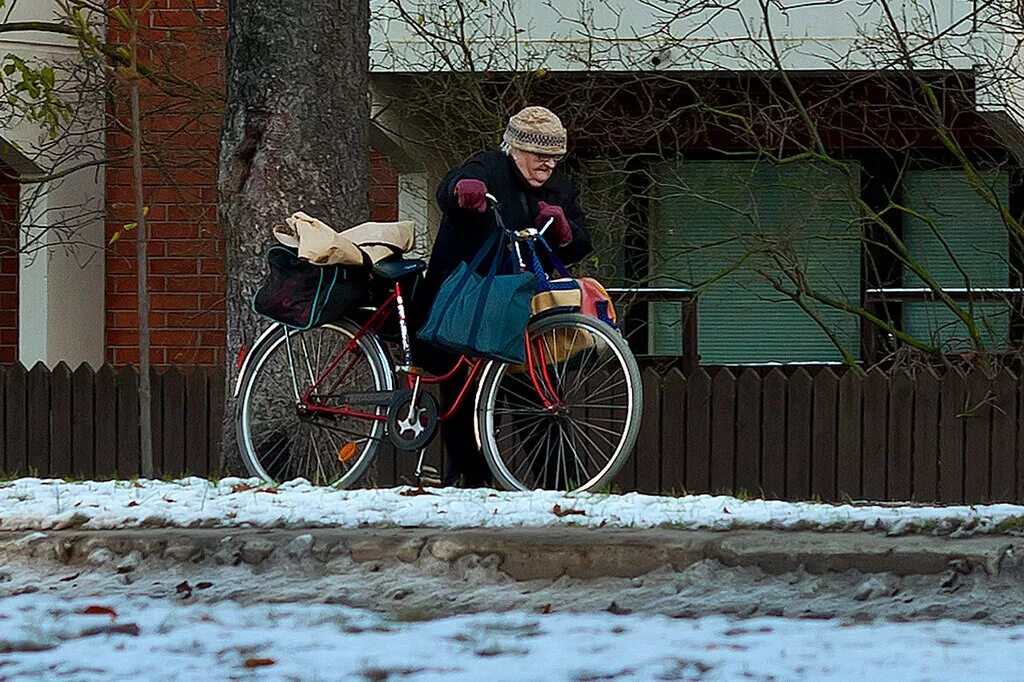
[86, 423]
[793, 434]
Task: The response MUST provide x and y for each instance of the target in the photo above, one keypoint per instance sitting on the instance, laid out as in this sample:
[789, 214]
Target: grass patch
[1011, 525]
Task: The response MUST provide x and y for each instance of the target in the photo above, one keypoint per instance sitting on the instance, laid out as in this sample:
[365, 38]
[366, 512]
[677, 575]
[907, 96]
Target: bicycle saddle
[397, 269]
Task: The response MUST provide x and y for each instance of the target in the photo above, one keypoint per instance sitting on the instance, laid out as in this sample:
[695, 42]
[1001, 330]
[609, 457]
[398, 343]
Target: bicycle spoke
[586, 436]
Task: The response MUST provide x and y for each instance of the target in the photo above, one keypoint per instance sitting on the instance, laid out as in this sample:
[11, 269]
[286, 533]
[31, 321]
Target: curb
[532, 553]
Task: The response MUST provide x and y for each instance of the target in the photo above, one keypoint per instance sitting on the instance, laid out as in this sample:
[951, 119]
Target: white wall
[668, 34]
[61, 278]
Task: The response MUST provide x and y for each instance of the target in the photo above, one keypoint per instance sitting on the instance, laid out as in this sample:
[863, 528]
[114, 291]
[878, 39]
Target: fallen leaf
[70, 578]
[726, 510]
[167, 499]
[133, 503]
[604, 522]
[546, 609]
[184, 589]
[100, 611]
[258, 662]
[272, 491]
[204, 585]
[413, 492]
[240, 487]
[559, 512]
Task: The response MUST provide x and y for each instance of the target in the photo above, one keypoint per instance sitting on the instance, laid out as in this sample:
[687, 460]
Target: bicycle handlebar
[525, 234]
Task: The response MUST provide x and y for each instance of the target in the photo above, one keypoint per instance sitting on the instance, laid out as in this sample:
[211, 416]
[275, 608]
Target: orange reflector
[347, 452]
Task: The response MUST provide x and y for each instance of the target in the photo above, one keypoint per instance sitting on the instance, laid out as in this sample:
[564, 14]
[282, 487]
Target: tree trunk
[294, 137]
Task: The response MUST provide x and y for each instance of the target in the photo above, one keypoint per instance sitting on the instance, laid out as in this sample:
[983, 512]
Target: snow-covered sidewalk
[35, 504]
[48, 637]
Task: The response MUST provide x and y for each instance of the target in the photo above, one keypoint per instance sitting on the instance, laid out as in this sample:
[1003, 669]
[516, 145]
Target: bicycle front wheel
[566, 419]
[279, 439]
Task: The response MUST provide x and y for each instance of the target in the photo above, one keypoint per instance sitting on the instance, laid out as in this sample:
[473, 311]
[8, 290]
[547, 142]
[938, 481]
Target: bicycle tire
[270, 358]
[593, 351]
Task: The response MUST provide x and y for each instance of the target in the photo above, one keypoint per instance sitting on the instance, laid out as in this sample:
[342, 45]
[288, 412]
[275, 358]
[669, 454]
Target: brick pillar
[186, 248]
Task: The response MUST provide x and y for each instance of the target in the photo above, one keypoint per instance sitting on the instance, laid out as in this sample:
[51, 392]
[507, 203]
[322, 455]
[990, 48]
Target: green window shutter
[714, 225]
[974, 233]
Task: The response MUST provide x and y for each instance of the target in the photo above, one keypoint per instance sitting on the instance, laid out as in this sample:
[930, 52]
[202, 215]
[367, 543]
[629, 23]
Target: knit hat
[537, 130]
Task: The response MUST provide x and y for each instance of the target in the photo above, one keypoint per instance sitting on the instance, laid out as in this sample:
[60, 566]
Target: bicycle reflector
[347, 451]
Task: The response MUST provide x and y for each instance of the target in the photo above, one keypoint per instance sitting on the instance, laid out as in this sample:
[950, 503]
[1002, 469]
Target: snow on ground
[46, 637]
[36, 504]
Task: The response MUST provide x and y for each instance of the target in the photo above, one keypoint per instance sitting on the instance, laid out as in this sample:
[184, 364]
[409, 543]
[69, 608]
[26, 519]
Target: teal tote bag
[482, 315]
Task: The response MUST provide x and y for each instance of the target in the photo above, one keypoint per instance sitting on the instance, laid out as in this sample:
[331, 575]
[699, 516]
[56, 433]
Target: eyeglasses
[544, 158]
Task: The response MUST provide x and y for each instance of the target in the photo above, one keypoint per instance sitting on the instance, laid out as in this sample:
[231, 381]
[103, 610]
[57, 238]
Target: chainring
[412, 434]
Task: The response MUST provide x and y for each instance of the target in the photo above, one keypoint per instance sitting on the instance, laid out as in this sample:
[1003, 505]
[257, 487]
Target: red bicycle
[317, 404]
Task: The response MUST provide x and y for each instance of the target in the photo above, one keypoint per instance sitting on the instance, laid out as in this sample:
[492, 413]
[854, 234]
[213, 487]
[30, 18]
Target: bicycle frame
[541, 381]
[414, 377]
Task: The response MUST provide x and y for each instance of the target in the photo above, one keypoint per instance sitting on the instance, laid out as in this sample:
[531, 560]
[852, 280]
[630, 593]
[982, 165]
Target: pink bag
[596, 301]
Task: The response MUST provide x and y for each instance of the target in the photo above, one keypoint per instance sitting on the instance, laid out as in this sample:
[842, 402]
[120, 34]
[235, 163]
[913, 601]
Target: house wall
[8, 267]
[186, 249]
[59, 273]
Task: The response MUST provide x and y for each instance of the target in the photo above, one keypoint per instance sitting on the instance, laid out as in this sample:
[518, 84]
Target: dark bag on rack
[302, 295]
[482, 315]
[566, 293]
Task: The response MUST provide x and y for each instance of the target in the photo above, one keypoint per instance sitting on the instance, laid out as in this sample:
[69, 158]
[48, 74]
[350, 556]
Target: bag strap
[555, 260]
[493, 240]
[543, 283]
[485, 288]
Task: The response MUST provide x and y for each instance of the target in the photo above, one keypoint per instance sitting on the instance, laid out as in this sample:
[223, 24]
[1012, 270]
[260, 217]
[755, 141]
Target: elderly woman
[523, 176]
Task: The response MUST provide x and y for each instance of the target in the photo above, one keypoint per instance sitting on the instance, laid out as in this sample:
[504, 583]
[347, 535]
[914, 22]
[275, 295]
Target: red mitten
[559, 233]
[472, 194]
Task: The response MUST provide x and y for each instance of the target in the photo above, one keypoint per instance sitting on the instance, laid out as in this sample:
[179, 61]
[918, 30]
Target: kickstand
[426, 473]
[419, 468]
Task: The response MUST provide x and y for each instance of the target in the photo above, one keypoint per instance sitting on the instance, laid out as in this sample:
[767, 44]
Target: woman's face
[535, 168]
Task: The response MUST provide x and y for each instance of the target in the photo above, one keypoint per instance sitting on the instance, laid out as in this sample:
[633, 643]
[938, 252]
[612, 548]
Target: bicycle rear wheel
[280, 440]
[567, 419]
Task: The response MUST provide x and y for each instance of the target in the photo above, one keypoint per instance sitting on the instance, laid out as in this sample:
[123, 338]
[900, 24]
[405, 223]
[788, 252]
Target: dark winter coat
[463, 231]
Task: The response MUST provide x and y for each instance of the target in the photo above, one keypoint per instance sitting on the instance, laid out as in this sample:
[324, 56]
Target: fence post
[951, 438]
[798, 436]
[673, 433]
[748, 432]
[1004, 439]
[927, 391]
[901, 429]
[823, 435]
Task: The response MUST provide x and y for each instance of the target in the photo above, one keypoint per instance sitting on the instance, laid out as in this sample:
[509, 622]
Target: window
[719, 224]
[967, 238]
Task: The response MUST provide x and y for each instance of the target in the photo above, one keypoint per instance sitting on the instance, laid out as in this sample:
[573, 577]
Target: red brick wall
[383, 189]
[186, 251]
[9, 191]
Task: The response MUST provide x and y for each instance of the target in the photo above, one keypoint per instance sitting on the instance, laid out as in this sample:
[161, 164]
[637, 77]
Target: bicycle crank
[412, 427]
